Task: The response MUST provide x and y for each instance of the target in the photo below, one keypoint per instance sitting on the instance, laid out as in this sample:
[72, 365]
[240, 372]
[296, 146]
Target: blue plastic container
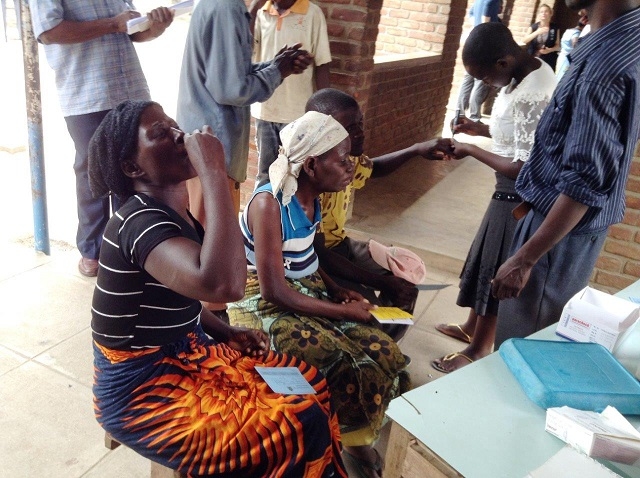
[579, 375]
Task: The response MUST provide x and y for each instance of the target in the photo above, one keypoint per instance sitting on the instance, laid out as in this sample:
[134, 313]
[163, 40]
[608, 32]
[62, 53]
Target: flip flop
[466, 337]
[437, 364]
[361, 464]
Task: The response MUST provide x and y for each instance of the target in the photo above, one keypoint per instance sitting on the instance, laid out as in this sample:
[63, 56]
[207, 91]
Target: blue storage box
[579, 375]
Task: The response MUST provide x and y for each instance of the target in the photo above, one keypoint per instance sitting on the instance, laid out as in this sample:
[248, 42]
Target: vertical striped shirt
[95, 75]
[587, 135]
[298, 255]
[131, 310]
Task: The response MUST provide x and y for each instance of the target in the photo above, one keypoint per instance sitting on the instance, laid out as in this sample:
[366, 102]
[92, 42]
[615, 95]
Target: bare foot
[456, 331]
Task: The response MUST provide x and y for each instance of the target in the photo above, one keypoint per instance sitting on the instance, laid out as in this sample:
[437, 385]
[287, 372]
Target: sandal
[361, 464]
[437, 364]
[442, 328]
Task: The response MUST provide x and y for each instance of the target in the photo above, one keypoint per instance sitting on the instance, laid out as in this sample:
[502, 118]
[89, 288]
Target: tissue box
[594, 316]
[605, 436]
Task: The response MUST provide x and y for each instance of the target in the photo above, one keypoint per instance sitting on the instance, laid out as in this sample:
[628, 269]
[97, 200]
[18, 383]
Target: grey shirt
[218, 81]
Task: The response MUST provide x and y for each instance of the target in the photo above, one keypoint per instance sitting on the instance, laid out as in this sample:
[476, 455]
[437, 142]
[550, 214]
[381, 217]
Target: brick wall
[353, 27]
[619, 262]
[405, 101]
[409, 97]
[408, 26]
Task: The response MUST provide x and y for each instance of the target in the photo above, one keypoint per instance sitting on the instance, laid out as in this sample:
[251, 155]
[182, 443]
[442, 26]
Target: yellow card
[392, 315]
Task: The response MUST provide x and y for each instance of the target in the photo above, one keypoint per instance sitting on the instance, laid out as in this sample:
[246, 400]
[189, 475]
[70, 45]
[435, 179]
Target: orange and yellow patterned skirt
[201, 408]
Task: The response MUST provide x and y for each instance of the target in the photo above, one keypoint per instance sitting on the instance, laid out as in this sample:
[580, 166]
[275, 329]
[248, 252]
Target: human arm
[532, 34]
[225, 45]
[556, 47]
[434, 149]
[338, 293]
[251, 342]
[502, 164]
[264, 222]
[159, 19]
[527, 110]
[399, 290]
[470, 127]
[68, 31]
[321, 49]
[322, 76]
[216, 270]
[514, 273]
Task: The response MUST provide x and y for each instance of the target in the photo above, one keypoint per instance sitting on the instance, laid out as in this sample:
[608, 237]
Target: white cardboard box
[607, 435]
[595, 316]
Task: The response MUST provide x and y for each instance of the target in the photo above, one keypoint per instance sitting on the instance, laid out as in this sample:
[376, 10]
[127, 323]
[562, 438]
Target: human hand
[468, 126]
[511, 278]
[250, 342]
[205, 150]
[436, 149]
[342, 295]
[121, 20]
[160, 18]
[399, 292]
[542, 30]
[357, 311]
[292, 60]
[460, 150]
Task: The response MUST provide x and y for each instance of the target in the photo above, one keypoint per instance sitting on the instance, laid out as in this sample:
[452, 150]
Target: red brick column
[619, 263]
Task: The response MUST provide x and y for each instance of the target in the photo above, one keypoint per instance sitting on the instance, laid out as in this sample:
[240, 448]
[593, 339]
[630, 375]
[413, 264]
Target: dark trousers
[93, 214]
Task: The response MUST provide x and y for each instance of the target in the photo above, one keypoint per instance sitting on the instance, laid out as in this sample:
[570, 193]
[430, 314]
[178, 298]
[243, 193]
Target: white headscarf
[310, 135]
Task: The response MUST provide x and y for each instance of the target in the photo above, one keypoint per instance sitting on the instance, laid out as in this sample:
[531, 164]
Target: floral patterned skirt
[363, 366]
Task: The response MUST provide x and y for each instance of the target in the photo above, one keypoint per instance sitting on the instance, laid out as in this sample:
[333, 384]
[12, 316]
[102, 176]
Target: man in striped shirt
[574, 182]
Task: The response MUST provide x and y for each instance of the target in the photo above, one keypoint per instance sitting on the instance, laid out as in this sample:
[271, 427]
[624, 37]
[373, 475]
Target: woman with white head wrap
[286, 296]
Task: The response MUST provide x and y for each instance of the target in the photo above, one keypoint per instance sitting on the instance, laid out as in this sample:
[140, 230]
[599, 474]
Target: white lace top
[516, 112]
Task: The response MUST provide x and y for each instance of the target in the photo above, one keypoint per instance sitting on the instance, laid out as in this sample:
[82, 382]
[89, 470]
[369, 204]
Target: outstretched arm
[432, 149]
[501, 164]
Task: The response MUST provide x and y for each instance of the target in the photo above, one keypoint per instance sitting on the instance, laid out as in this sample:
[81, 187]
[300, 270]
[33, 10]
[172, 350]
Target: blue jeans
[268, 144]
[93, 214]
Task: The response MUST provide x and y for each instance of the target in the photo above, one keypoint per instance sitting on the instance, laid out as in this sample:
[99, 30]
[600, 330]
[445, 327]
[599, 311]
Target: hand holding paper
[143, 23]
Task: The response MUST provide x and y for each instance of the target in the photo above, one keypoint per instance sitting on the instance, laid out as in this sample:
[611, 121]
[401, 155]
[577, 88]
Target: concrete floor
[47, 428]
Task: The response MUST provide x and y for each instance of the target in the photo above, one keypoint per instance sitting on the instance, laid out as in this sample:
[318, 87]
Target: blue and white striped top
[298, 254]
[131, 310]
[587, 135]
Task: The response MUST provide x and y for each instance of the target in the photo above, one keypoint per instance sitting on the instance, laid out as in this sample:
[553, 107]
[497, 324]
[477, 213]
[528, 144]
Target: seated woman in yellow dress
[163, 387]
[305, 313]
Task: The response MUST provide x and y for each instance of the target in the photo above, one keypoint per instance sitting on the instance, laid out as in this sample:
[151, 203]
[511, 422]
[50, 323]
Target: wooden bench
[157, 470]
